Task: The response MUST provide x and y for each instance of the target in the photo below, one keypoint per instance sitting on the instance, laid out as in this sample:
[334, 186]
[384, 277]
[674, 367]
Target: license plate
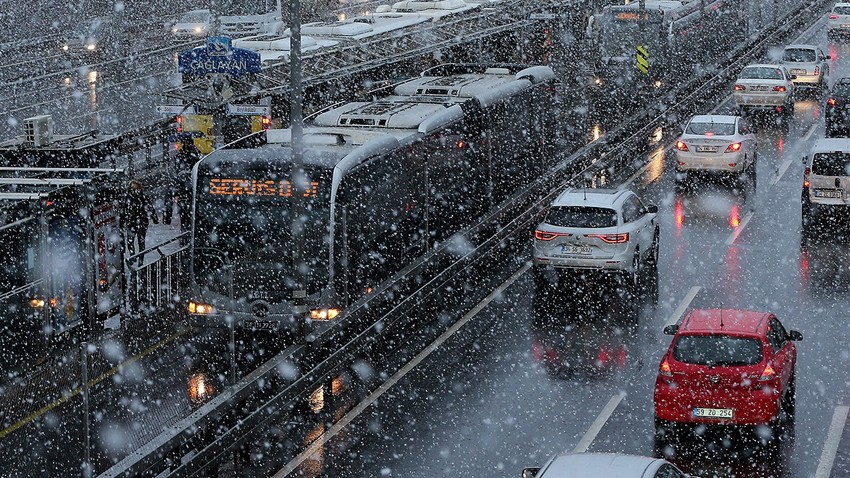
[260, 324]
[845, 25]
[570, 249]
[706, 149]
[759, 88]
[713, 412]
[796, 71]
[827, 193]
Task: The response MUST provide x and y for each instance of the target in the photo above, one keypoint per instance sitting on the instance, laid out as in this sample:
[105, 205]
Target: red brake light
[740, 87]
[778, 88]
[830, 102]
[806, 178]
[612, 238]
[665, 370]
[833, 16]
[817, 70]
[767, 374]
[179, 124]
[547, 236]
[733, 148]
[266, 122]
[681, 146]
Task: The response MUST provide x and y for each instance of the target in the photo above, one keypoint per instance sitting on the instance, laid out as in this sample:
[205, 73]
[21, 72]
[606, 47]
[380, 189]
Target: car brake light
[740, 87]
[767, 374]
[179, 124]
[817, 70]
[665, 370]
[806, 178]
[833, 16]
[779, 88]
[830, 102]
[547, 236]
[266, 122]
[733, 148]
[612, 238]
[681, 146]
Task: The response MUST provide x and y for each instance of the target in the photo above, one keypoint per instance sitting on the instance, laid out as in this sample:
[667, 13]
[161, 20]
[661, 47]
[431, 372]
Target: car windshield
[713, 350]
[842, 10]
[831, 164]
[799, 55]
[711, 128]
[761, 72]
[581, 216]
[195, 17]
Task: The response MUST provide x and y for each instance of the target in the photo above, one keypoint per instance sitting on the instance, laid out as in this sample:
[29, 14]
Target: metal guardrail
[158, 275]
[374, 315]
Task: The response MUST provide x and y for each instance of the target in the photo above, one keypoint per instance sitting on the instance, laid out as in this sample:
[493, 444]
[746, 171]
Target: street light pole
[299, 186]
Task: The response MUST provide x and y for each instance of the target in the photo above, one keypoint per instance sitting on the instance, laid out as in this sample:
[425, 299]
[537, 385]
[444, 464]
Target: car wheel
[806, 218]
[789, 401]
[652, 258]
[634, 276]
[663, 439]
[752, 178]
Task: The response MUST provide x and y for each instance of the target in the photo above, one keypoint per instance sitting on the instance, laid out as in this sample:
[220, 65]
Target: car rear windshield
[841, 10]
[761, 72]
[581, 216]
[717, 350]
[721, 129]
[841, 89]
[799, 55]
[831, 164]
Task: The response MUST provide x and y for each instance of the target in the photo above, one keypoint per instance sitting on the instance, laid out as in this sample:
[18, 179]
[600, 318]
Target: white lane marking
[781, 172]
[809, 132]
[738, 229]
[597, 424]
[830, 447]
[636, 175]
[674, 319]
[337, 427]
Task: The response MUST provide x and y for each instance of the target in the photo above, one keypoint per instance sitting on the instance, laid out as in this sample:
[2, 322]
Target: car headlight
[91, 47]
[65, 47]
[199, 29]
[200, 308]
[328, 313]
[173, 29]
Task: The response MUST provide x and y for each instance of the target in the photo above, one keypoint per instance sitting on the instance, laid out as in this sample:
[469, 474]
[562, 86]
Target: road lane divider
[830, 446]
[674, 318]
[781, 172]
[597, 424]
[737, 231]
[809, 132]
[357, 410]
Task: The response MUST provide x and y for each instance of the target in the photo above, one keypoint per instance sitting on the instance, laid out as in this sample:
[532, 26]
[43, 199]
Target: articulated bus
[386, 180]
[676, 36]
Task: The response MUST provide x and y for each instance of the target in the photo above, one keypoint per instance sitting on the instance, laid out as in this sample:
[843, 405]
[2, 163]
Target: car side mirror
[530, 472]
[652, 209]
[827, 57]
[671, 329]
[805, 160]
[793, 77]
[795, 336]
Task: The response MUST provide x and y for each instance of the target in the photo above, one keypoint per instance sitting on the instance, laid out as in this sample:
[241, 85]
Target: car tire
[806, 218]
[752, 178]
[634, 276]
[662, 438]
[790, 399]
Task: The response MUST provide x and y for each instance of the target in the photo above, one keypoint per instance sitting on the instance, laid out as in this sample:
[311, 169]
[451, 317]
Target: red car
[726, 367]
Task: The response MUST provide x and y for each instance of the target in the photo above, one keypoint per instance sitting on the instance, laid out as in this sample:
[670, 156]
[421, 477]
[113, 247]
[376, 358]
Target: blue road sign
[218, 56]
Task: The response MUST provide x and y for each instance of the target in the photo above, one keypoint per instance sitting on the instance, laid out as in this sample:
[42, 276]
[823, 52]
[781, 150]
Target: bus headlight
[329, 313]
[37, 303]
[597, 81]
[200, 308]
[200, 388]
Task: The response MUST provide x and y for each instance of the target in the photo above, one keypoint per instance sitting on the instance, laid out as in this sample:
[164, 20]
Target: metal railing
[158, 275]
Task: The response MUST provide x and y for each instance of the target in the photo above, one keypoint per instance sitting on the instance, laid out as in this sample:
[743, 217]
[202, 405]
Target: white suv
[808, 63]
[605, 230]
[838, 22]
[826, 181]
[766, 87]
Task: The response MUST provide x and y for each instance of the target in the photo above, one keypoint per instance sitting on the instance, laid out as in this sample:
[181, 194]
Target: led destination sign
[257, 187]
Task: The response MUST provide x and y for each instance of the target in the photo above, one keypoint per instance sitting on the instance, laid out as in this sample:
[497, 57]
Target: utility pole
[299, 186]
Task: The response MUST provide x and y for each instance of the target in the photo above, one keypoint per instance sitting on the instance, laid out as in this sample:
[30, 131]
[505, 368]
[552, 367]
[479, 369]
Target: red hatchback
[726, 367]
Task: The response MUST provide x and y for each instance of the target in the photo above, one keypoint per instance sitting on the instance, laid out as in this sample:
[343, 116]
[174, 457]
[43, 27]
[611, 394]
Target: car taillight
[767, 374]
[830, 102]
[681, 146]
[266, 122]
[833, 16]
[806, 173]
[779, 88]
[547, 236]
[612, 238]
[733, 148]
[179, 124]
[740, 87]
[664, 370]
[817, 70]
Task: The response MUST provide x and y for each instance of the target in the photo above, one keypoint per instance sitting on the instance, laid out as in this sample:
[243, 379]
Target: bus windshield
[243, 231]
[621, 31]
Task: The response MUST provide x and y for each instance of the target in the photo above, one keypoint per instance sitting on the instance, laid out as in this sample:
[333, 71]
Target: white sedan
[765, 87]
[604, 465]
[717, 144]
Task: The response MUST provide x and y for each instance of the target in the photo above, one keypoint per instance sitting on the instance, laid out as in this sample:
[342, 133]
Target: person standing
[181, 187]
[138, 213]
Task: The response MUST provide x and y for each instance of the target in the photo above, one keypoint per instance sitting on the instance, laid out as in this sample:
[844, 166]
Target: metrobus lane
[754, 261]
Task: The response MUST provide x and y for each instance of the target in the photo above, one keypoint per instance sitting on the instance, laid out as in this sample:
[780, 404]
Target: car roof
[828, 145]
[841, 4]
[592, 197]
[599, 465]
[724, 321]
[714, 119]
[768, 65]
[801, 46]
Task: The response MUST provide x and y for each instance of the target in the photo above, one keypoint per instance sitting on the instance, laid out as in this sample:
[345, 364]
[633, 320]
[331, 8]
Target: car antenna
[721, 315]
